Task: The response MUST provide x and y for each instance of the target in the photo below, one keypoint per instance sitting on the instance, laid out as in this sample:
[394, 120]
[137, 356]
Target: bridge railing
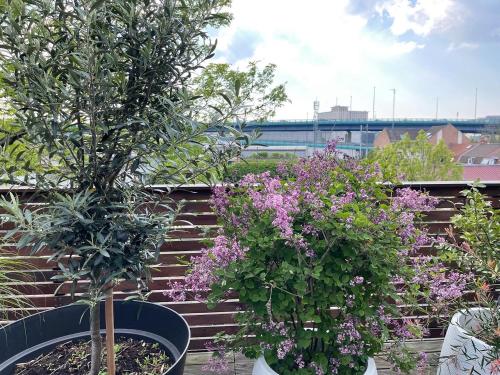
[390, 120]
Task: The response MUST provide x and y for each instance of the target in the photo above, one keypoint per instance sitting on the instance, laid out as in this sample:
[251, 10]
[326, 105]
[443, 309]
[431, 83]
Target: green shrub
[236, 171]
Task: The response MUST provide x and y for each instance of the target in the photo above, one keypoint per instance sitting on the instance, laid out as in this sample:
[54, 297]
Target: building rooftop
[480, 151]
[397, 134]
[481, 172]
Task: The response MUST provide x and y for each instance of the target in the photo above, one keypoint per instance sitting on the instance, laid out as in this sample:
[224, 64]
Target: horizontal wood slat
[197, 224]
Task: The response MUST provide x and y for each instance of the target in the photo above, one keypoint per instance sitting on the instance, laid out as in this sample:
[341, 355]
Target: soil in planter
[133, 357]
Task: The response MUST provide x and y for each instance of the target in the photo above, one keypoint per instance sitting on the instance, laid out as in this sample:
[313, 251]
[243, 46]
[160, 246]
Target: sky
[332, 50]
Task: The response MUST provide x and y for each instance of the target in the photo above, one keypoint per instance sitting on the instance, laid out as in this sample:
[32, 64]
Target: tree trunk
[95, 337]
[110, 334]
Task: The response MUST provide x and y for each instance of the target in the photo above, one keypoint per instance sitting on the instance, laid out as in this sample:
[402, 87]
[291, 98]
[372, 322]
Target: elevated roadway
[466, 126]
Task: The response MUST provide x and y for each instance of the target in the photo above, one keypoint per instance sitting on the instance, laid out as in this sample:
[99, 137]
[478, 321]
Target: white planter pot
[462, 352]
[261, 368]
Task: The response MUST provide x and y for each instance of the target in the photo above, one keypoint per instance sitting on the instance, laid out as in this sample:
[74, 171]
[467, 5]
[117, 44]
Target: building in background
[340, 112]
[480, 154]
[456, 141]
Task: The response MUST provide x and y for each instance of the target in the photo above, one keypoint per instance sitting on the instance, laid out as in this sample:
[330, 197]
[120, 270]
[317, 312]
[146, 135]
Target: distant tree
[251, 86]
[417, 160]
[249, 94]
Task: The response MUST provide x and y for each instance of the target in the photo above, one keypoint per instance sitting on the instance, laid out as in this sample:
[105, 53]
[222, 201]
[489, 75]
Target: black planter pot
[27, 338]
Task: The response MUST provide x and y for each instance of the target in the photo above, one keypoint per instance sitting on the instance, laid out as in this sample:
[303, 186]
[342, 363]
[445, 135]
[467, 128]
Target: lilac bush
[320, 256]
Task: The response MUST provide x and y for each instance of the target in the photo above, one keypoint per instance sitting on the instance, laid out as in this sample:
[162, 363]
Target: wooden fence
[188, 241]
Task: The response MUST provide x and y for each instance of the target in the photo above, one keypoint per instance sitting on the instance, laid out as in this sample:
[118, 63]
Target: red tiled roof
[482, 172]
[458, 149]
[481, 150]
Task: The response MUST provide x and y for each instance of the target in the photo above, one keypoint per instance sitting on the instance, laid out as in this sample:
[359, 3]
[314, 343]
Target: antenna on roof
[316, 119]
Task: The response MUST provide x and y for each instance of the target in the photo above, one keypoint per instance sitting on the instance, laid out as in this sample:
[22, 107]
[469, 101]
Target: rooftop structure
[340, 112]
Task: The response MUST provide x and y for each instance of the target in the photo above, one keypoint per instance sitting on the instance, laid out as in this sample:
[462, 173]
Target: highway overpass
[466, 126]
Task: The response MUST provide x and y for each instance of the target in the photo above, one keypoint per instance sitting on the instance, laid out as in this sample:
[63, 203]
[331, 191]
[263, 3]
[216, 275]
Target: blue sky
[334, 49]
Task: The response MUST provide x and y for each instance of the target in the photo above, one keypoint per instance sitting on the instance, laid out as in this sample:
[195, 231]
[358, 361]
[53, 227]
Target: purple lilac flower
[382, 216]
[421, 239]
[408, 198]
[220, 200]
[309, 229]
[310, 253]
[218, 363]
[276, 327]
[357, 280]
[407, 227]
[349, 301]
[349, 338]
[382, 315]
[334, 366]
[447, 287]
[440, 240]
[268, 197]
[202, 270]
[284, 348]
[282, 169]
[406, 329]
[299, 361]
[363, 194]
[317, 368]
[422, 363]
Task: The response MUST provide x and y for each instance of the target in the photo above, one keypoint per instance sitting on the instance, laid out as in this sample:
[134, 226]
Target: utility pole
[360, 140]
[475, 106]
[350, 108]
[316, 119]
[393, 105]
[373, 108]
[437, 107]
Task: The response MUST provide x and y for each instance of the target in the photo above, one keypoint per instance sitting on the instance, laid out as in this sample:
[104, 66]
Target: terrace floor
[243, 366]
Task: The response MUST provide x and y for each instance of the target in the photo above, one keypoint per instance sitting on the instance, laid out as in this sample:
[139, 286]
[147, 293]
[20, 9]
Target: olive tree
[103, 91]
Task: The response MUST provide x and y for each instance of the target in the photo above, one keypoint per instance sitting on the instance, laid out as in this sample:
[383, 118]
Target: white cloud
[320, 48]
[420, 17]
[464, 45]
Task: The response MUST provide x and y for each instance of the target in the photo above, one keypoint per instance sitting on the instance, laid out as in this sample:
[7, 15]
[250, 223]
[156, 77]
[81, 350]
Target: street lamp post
[437, 107]
[373, 107]
[393, 106]
[475, 106]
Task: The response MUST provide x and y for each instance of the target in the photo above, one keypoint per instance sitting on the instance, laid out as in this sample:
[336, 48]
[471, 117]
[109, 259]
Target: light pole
[350, 108]
[316, 119]
[373, 107]
[393, 105]
[437, 107]
[475, 106]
